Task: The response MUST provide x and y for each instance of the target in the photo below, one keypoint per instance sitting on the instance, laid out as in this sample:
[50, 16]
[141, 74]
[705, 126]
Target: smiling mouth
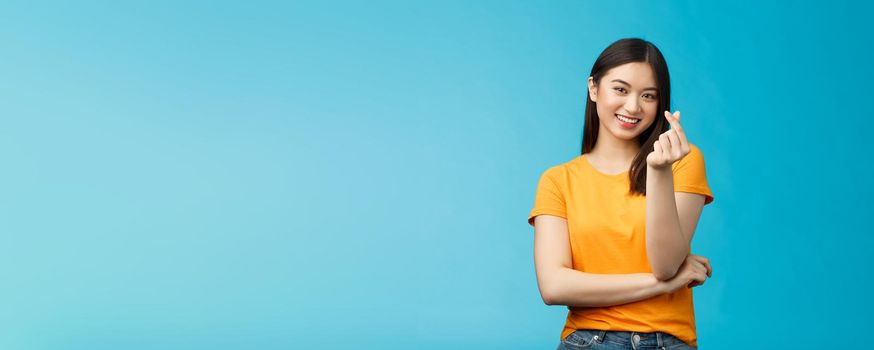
[627, 120]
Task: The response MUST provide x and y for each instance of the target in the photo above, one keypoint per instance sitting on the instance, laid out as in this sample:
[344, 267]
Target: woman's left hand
[671, 145]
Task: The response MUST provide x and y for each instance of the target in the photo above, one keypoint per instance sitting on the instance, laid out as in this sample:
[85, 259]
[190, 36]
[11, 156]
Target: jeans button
[636, 338]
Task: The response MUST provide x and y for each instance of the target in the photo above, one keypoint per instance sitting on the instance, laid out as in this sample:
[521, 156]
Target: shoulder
[694, 157]
[690, 175]
[694, 150]
[563, 170]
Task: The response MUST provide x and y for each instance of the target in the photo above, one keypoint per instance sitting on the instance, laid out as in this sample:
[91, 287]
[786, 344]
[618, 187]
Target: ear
[593, 90]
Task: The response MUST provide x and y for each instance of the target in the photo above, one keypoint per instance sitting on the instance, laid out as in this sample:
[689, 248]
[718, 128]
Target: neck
[613, 150]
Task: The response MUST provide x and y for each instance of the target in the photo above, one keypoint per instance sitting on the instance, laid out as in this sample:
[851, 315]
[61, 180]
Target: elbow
[549, 295]
[664, 273]
[663, 276]
[547, 300]
[664, 269]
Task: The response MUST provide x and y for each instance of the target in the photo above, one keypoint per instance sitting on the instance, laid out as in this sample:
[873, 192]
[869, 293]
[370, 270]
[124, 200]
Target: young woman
[613, 226]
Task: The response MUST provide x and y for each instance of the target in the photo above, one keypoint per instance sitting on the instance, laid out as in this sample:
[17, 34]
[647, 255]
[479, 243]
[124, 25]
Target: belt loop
[600, 337]
[660, 343]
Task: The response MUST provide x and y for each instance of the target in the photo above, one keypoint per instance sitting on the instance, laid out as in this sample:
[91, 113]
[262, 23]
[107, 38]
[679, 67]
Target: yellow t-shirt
[607, 227]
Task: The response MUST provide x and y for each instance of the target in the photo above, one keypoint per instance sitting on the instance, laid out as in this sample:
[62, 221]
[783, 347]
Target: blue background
[358, 174]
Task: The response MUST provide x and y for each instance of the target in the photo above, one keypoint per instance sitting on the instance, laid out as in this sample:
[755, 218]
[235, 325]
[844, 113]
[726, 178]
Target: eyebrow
[623, 82]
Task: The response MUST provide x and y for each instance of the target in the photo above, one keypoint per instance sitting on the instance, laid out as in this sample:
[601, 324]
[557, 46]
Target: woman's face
[626, 99]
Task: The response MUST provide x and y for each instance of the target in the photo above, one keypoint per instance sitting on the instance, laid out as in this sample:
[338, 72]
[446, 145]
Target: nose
[632, 105]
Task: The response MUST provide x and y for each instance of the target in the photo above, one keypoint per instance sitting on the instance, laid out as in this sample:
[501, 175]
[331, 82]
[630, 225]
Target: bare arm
[671, 218]
[560, 284]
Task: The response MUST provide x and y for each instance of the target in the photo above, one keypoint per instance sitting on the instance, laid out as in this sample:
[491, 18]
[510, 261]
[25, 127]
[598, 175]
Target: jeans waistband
[659, 340]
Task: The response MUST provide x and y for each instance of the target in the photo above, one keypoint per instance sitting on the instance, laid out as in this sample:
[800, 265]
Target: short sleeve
[691, 176]
[549, 198]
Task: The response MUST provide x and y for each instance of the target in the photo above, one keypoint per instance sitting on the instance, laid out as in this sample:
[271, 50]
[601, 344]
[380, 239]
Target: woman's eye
[649, 97]
[621, 90]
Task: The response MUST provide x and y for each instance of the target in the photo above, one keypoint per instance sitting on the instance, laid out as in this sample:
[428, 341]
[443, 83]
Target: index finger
[674, 120]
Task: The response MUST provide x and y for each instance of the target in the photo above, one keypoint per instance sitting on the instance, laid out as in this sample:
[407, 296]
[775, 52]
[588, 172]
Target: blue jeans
[610, 340]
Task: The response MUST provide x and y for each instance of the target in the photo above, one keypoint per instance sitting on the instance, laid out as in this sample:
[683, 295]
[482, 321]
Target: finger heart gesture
[671, 145]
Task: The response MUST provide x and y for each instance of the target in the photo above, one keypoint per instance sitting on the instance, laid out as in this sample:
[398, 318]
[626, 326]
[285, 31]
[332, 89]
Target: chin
[626, 135]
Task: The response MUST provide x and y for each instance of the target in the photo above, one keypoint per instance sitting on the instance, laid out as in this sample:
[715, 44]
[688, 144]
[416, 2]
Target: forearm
[576, 288]
[666, 245]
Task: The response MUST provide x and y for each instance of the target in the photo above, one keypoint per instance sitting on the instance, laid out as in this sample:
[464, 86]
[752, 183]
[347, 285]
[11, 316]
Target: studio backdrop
[358, 174]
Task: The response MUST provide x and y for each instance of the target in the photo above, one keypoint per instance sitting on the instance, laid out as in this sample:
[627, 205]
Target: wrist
[658, 169]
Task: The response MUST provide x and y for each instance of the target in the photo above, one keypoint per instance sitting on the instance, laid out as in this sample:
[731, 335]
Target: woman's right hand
[693, 272]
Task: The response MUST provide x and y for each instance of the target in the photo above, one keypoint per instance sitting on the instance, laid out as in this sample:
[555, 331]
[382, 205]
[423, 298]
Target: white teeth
[627, 120]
